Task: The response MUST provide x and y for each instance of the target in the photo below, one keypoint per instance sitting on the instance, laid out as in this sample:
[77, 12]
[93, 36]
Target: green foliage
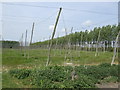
[99, 72]
[102, 71]
[61, 77]
[107, 33]
[110, 79]
[20, 73]
[54, 74]
[10, 44]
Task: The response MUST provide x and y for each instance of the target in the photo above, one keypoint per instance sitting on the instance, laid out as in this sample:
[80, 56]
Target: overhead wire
[13, 16]
[41, 21]
[69, 9]
[30, 5]
[89, 11]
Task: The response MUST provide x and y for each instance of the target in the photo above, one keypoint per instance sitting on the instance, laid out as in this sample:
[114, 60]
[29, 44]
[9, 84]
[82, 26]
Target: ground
[108, 85]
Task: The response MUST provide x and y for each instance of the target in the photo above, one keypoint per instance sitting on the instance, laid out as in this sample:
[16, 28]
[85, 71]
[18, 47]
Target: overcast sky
[17, 17]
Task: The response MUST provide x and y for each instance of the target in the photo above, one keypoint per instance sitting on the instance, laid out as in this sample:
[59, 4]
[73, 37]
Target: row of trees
[9, 44]
[106, 35]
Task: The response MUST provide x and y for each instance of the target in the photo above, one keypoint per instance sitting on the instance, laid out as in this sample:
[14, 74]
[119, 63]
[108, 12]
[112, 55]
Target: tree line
[9, 44]
[107, 35]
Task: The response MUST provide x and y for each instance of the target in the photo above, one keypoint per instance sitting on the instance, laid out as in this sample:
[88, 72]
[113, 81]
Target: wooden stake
[96, 54]
[25, 44]
[21, 42]
[104, 47]
[70, 45]
[116, 45]
[65, 47]
[30, 40]
[32, 33]
[48, 61]
[81, 41]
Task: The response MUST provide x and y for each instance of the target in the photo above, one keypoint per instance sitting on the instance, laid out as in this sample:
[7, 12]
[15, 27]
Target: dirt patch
[108, 85]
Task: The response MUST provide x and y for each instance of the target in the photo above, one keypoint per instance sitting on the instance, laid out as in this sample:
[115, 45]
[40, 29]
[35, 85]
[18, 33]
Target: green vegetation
[61, 76]
[9, 44]
[107, 34]
[80, 68]
[18, 71]
[14, 58]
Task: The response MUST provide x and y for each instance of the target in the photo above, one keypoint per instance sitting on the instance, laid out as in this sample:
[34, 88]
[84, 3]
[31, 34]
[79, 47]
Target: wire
[70, 9]
[41, 20]
[48, 17]
[63, 20]
[13, 16]
[88, 11]
[30, 5]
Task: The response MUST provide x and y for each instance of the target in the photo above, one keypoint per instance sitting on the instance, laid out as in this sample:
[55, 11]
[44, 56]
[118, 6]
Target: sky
[17, 17]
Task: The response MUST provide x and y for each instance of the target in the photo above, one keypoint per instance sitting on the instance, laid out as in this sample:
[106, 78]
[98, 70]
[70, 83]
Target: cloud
[87, 23]
[51, 27]
[63, 30]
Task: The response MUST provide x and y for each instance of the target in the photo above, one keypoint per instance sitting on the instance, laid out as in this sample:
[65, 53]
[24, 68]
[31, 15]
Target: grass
[10, 82]
[38, 57]
[13, 58]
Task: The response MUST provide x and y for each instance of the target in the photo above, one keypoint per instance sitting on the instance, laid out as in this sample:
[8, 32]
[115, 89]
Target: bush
[110, 79]
[60, 76]
[99, 72]
[20, 73]
[83, 82]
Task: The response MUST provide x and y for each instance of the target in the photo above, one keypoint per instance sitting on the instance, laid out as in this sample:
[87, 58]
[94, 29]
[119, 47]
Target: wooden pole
[32, 33]
[81, 42]
[104, 47]
[70, 45]
[116, 45]
[26, 39]
[96, 54]
[49, 53]
[65, 47]
[21, 43]
[25, 44]
[31, 39]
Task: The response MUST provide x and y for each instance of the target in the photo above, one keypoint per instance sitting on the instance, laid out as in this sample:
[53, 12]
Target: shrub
[110, 79]
[60, 76]
[20, 73]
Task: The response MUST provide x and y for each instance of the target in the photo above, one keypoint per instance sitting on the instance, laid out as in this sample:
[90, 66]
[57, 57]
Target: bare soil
[108, 85]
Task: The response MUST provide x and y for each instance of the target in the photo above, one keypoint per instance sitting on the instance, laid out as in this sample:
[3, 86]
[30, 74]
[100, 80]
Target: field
[13, 60]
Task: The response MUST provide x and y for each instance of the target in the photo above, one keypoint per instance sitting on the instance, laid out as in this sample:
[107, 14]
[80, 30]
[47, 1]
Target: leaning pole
[115, 48]
[117, 42]
[53, 34]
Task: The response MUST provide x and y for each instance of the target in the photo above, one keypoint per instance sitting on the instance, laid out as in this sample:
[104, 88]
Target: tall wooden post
[104, 47]
[65, 46]
[31, 39]
[26, 39]
[48, 61]
[32, 33]
[81, 41]
[70, 48]
[116, 45]
[96, 54]
[21, 42]
[25, 44]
